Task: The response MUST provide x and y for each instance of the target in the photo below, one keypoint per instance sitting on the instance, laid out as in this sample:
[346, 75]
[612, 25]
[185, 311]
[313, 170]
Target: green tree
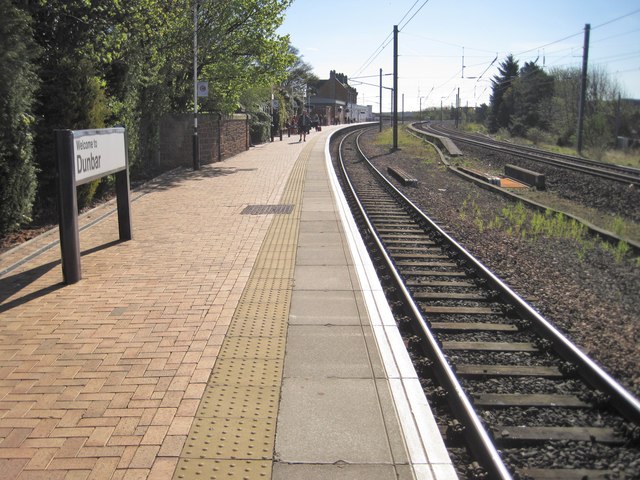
[564, 110]
[481, 113]
[300, 79]
[602, 119]
[288, 98]
[501, 108]
[530, 94]
[240, 48]
[106, 63]
[18, 82]
[72, 94]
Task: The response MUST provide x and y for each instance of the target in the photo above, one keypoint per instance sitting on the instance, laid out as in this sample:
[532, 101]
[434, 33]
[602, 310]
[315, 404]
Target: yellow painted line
[233, 434]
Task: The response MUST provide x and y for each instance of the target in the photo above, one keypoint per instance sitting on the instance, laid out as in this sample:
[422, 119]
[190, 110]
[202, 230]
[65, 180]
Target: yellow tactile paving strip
[233, 434]
[102, 379]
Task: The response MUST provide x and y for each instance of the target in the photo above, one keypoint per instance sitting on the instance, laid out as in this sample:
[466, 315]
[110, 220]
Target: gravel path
[584, 291]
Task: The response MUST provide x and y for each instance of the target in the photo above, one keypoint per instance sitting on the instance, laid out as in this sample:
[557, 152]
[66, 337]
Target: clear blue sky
[349, 36]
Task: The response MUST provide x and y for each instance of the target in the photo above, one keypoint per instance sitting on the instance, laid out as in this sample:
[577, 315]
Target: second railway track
[532, 396]
[618, 173]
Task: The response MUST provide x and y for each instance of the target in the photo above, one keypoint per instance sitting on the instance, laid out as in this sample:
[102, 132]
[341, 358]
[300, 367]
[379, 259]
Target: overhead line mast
[395, 87]
[583, 86]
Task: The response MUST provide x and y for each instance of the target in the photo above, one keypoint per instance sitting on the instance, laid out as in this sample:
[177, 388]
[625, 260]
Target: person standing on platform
[304, 122]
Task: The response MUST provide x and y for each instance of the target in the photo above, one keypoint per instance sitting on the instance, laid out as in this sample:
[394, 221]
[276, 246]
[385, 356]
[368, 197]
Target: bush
[536, 135]
[72, 97]
[17, 86]
[86, 193]
[260, 128]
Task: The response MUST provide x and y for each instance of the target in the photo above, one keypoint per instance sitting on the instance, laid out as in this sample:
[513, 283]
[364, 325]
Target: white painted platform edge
[427, 453]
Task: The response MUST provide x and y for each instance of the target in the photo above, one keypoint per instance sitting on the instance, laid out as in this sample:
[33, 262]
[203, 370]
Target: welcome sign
[97, 153]
[83, 156]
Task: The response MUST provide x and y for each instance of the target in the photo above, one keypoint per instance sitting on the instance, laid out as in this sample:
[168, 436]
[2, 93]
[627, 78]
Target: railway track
[524, 400]
[615, 198]
[609, 171]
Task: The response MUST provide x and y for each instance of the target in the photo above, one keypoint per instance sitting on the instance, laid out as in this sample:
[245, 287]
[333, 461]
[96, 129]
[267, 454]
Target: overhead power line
[407, 22]
[581, 32]
[616, 19]
[408, 11]
[389, 38]
[550, 43]
[375, 54]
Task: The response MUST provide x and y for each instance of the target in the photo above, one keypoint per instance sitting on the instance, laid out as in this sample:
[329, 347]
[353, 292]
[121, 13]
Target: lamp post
[196, 143]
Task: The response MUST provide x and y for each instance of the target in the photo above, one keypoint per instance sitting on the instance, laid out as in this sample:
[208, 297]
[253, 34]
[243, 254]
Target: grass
[620, 157]
[474, 128]
[519, 221]
[408, 143]
[620, 226]
[536, 226]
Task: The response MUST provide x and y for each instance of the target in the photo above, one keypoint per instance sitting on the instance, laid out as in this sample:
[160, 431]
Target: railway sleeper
[490, 346]
[472, 327]
[507, 371]
[409, 251]
[459, 310]
[416, 242]
[392, 217]
[407, 263]
[439, 283]
[494, 400]
[421, 256]
[423, 296]
[566, 474]
[431, 273]
[404, 231]
[407, 238]
[506, 436]
[397, 223]
[386, 212]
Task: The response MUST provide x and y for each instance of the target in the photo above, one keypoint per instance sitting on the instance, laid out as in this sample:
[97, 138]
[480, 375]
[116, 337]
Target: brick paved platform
[102, 379]
[109, 378]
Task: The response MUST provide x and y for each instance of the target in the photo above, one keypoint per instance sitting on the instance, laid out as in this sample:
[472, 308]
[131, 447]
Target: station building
[337, 102]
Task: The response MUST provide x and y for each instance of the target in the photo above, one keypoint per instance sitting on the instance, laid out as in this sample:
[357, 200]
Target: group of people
[304, 123]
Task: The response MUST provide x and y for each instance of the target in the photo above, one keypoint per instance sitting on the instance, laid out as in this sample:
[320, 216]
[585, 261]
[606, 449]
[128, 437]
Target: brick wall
[219, 138]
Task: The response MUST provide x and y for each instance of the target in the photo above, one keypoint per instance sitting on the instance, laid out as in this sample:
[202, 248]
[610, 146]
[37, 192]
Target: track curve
[489, 336]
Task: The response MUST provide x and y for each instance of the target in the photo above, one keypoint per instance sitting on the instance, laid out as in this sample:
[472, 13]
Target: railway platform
[240, 334]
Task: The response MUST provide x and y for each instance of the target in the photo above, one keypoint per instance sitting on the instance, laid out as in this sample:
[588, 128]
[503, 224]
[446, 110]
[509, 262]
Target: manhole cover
[267, 209]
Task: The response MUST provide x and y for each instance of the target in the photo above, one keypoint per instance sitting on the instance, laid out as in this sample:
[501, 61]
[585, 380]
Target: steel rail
[576, 164]
[541, 152]
[627, 404]
[479, 440]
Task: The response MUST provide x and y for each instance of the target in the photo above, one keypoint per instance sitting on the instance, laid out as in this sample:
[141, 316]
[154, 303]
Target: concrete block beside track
[402, 176]
[523, 175]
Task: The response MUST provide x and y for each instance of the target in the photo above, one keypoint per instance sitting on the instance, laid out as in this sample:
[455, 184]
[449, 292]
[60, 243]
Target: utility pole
[457, 107]
[395, 87]
[403, 108]
[381, 100]
[196, 142]
[583, 87]
[618, 106]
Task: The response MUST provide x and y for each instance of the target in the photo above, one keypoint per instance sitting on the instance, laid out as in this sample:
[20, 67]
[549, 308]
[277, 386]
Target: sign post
[84, 156]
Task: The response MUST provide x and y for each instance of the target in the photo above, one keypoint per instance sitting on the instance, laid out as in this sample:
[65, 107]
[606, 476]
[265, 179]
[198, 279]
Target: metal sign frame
[108, 142]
